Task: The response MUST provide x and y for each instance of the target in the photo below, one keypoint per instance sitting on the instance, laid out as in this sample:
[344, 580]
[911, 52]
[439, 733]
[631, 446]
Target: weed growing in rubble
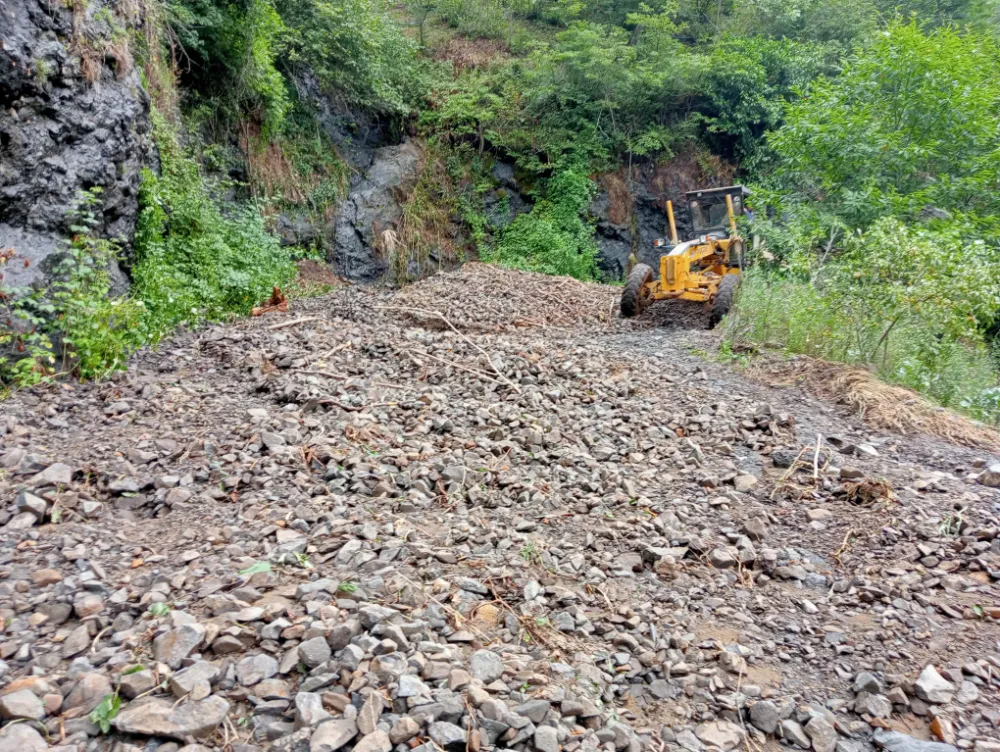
[106, 711]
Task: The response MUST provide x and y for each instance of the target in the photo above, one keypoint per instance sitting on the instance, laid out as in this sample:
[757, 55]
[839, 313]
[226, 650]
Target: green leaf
[256, 568]
[106, 711]
[133, 670]
[159, 609]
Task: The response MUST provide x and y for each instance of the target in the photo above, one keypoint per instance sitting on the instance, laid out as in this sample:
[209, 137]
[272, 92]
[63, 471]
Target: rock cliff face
[632, 214]
[67, 123]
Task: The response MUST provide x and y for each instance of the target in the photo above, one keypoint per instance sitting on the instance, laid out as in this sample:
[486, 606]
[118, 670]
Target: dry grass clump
[882, 405]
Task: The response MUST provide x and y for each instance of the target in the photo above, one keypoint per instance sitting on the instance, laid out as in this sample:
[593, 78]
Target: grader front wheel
[723, 299]
[633, 298]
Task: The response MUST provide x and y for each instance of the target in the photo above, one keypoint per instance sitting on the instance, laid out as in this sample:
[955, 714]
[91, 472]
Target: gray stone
[403, 730]
[21, 704]
[934, 688]
[448, 736]
[661, 689]
[822, 733]
[153, 716]
[411, 686]
[134, 684]
[342, 634]
[256, 668]
[195, 681]
[314, 652]
[330, 736]
[764, 715]
[894, 741]
[56, 474]
[722, 558]
[536, 710]
[689, 741]
[722, 734]
[369, 714]
[877, 706]
[174, 645]
[20, 737]
[377, 741]
[27, 502]
[546, 739]
[793, 733]
[309, 710]
[866, 682]
[991, 476]
[372, 203]
[486, 666]
[92, 687]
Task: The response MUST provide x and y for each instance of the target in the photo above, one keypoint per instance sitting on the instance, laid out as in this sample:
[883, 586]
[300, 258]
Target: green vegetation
[882, 243]
[196, 263]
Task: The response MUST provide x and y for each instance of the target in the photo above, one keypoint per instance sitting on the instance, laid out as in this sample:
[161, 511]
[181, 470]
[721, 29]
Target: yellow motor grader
[706, 268]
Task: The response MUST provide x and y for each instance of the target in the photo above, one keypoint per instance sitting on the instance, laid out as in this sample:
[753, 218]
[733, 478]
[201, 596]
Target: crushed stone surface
[482, 513]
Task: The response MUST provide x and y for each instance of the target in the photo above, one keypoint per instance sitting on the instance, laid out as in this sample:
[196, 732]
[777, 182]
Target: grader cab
[706, 268]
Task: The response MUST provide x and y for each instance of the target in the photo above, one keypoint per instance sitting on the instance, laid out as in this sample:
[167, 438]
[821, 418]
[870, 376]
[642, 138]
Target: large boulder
[371, 208]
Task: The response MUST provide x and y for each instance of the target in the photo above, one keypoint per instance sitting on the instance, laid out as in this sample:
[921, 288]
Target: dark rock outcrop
[373, 207]
[61, 133]
[632, 214]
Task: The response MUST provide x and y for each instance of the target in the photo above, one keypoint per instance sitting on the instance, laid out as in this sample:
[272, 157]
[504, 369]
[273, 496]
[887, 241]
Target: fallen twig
[439, 315]
[293, 322]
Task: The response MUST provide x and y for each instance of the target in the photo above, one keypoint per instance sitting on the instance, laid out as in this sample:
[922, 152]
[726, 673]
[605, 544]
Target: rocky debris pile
[482, 297]
[337, 528]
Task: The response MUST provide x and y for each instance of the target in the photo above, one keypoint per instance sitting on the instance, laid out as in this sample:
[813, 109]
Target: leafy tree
[354, 48]
[553, 237]
[230, 50]
[745, 85]
[910, 123]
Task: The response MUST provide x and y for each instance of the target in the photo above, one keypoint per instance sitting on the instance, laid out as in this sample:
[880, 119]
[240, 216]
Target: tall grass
[796, 317]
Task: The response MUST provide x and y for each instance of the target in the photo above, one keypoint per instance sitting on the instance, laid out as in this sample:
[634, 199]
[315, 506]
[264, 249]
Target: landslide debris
[508, 522]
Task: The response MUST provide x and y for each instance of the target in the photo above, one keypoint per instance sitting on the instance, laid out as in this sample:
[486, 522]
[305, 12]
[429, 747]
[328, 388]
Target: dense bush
[553, 237]
[195, 262]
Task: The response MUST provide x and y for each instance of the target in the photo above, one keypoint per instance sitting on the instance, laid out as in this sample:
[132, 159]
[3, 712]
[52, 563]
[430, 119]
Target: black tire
[723, 299]
[633, 300]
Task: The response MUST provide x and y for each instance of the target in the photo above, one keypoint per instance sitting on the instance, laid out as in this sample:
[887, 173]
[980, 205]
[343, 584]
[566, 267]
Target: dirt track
[527, 501]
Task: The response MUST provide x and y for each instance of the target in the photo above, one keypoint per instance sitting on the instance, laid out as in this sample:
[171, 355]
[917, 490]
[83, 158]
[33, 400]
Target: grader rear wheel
[723, 299]
[633, 299]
